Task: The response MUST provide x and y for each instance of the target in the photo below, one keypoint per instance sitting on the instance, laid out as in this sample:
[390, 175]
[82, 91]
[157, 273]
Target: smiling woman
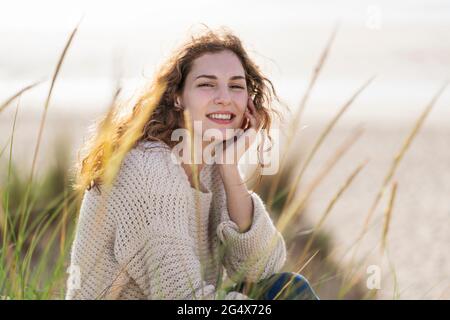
[215, 93]
[164, 230]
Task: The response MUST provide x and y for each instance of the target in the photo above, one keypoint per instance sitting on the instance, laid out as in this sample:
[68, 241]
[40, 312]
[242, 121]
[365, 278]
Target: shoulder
[147, 154]
[156, 163]
[159, 209]
[146, 167]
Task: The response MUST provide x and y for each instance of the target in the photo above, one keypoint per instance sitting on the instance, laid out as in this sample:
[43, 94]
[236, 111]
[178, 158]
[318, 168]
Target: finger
[247, 123]
[247, 138]
[251, 118]
[252, 108]
[247, 117]
[244, 121]
[251, 105]
[255, 123]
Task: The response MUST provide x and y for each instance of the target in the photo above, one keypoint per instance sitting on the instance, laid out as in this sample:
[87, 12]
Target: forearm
[239, 201]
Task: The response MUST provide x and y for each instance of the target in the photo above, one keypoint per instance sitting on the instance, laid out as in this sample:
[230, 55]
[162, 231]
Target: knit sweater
[153, 236]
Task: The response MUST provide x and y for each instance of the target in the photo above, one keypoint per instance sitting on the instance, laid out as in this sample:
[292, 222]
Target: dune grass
[38, 215]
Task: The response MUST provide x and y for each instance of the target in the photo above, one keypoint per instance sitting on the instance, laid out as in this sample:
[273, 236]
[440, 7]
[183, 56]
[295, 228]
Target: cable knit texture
[153, 236]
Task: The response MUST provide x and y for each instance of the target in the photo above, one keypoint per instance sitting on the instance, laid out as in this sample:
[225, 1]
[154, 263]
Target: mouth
[225, 117]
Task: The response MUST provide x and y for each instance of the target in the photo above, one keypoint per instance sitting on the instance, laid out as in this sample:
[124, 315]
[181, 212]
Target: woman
[165, 229]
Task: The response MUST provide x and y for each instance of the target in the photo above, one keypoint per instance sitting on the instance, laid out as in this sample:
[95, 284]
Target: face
[215, 94]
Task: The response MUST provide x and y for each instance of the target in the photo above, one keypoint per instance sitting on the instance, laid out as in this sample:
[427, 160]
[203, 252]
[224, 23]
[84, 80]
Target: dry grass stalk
[298, 204]
[388, 215]
[297, 116]
[47, 102]
[8, 101]
[331, 205]
[322, 138]
[398, 158]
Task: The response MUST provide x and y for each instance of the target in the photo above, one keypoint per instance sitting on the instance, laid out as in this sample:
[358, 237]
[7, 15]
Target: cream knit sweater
[153, 236]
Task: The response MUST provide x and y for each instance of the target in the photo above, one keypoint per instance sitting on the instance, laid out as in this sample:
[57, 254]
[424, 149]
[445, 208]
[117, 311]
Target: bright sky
[406, 43]
[46, 14]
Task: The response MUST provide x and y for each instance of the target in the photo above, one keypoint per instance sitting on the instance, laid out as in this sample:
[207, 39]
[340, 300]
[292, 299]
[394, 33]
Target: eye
[206, 85]
[237, 87]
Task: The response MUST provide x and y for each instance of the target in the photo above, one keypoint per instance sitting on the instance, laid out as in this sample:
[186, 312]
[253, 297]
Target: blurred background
[405, 44]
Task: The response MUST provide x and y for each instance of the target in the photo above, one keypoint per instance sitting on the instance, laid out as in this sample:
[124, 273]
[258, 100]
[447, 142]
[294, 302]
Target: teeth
[222, 116]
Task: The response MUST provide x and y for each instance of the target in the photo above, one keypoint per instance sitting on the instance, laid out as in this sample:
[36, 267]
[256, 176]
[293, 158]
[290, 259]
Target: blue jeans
[267, 289]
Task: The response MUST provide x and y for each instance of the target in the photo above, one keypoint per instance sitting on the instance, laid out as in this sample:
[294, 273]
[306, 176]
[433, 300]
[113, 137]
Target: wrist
[229, 172]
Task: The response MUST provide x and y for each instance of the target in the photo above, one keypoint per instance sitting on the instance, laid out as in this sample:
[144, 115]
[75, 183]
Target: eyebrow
[215, 78]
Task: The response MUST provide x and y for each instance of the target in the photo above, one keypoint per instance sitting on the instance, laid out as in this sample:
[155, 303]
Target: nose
[222, 97]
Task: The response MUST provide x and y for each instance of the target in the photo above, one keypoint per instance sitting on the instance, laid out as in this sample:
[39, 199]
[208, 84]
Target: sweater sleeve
[154, 243]
[255, 254]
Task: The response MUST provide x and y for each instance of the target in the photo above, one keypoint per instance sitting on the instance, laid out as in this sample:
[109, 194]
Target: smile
[221, 117]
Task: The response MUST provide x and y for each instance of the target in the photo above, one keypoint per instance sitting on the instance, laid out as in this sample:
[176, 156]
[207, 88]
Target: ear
[176, 101]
